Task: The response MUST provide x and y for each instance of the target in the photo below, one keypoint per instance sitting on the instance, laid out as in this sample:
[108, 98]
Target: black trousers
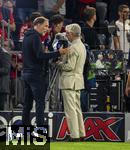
[35, 89]
[3, 100]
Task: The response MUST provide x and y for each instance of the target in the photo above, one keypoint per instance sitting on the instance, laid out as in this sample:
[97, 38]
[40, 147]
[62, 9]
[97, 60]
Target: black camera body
[63, 43]
[60, 41]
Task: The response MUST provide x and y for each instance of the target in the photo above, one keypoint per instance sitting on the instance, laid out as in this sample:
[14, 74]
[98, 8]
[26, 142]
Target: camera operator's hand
[64, 50]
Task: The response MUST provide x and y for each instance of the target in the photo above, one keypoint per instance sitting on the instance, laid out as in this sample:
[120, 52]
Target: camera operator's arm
[127, 90]
[70, 62]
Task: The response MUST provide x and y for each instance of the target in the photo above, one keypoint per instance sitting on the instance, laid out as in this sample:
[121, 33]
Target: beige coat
[72, 67]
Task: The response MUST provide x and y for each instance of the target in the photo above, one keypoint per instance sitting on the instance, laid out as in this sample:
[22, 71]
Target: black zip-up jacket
[33, 55]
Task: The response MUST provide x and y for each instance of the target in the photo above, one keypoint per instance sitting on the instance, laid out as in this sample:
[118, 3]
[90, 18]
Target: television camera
[60, 41]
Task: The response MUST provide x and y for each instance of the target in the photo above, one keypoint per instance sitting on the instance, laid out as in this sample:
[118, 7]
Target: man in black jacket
[33, 71]
[89, 33]
[5, 60]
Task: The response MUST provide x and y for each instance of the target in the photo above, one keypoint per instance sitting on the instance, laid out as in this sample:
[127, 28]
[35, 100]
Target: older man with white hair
[71, 81]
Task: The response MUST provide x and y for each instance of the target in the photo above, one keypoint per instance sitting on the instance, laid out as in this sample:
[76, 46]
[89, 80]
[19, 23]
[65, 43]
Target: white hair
[74, 28]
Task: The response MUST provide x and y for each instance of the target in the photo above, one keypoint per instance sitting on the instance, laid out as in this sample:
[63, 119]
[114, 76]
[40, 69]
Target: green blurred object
[107, 65]
[93, 65]
[119, 65]
[91, 73]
